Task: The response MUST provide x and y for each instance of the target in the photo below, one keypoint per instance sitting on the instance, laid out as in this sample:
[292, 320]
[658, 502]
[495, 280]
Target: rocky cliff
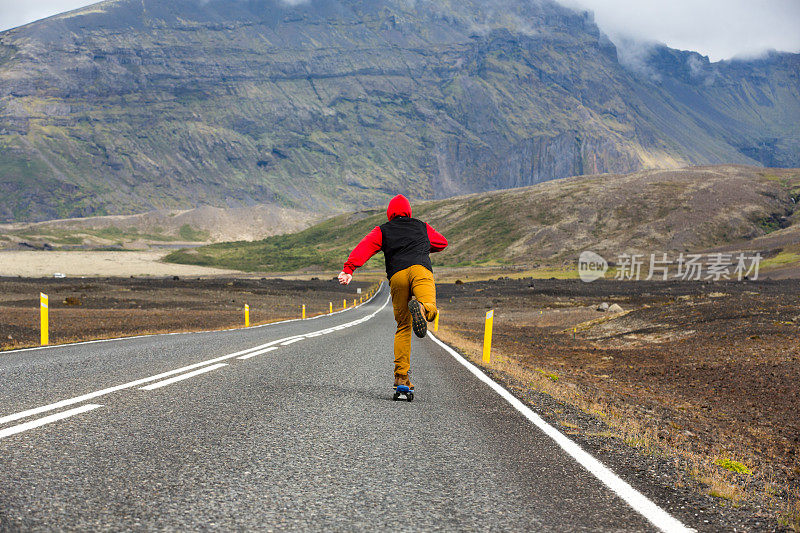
[132, 105]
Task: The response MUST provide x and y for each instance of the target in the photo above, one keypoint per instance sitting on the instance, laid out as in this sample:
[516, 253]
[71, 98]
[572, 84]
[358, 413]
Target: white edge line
[259, 352]
[638, 501]
[19, 428]
[188, 375]
[11, 352]
[142, 381]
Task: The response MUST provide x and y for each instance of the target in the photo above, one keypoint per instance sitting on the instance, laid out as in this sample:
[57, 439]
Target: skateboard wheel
[396, 396]
[410, 396]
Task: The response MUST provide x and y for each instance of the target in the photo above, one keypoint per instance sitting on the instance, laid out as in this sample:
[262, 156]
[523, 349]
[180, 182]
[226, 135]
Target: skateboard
[402, 390]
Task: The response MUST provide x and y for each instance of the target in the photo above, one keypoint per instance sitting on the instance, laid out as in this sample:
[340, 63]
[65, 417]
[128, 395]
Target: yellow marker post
[436, 323]
[487, 336]
[361, 300]
[246, 316]
[44, 316]
[344, 304]
[330, 307]
[354, 302]
[304, 311]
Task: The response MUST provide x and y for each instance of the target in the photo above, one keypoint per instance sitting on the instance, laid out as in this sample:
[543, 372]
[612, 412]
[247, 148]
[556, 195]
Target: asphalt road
[303, 434]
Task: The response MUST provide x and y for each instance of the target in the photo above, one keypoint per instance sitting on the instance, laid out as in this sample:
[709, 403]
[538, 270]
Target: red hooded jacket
[399, 206]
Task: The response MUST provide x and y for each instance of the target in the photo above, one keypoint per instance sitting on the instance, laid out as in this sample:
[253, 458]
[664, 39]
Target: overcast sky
[720, 29]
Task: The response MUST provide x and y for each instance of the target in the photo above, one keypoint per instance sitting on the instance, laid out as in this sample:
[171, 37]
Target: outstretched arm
[369, 246]
[438, 242]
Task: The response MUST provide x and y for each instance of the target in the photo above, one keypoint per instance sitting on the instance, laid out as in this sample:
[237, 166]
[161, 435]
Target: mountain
[129, 106]
[718, 208]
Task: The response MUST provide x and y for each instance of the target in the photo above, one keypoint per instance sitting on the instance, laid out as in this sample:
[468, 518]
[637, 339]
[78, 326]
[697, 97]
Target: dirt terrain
[132, 263]
[82, 309]
[153, 228]
[706, 372]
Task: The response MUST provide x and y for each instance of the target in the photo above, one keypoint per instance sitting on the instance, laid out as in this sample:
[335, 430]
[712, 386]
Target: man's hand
[345, 279]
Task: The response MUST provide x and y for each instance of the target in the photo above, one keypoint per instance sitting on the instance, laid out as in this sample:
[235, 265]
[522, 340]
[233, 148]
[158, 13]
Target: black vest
[405, 243]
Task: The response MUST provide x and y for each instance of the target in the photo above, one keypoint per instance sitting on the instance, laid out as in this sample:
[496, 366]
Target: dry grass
[623, 425]
[791, 517]
[722, 488]
[719, 475]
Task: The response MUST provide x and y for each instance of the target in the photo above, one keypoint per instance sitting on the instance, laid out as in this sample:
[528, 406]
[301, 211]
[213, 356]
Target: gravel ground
[700, 371]
[110, 307]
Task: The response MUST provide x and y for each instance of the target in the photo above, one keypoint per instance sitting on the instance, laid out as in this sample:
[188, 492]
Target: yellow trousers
[418, 281]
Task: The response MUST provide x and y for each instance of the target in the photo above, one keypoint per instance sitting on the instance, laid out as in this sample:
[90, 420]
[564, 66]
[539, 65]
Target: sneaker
[418, 322]
[402, 379]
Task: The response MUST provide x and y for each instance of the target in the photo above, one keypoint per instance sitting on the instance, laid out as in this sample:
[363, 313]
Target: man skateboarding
[406, 244]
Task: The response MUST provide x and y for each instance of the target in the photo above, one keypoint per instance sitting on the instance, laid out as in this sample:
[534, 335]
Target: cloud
[720, 29]
[634, 55]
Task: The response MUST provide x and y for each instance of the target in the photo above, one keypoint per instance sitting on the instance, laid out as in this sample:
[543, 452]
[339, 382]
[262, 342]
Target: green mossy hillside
[645, 212]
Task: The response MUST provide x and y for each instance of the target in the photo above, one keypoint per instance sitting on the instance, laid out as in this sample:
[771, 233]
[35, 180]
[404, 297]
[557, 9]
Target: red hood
[399, 206]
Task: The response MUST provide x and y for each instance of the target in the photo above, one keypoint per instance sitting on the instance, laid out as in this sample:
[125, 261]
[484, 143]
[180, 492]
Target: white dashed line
[170, 381]
[136, 383]
[103, 392]
[19, 428]
[259, 352]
